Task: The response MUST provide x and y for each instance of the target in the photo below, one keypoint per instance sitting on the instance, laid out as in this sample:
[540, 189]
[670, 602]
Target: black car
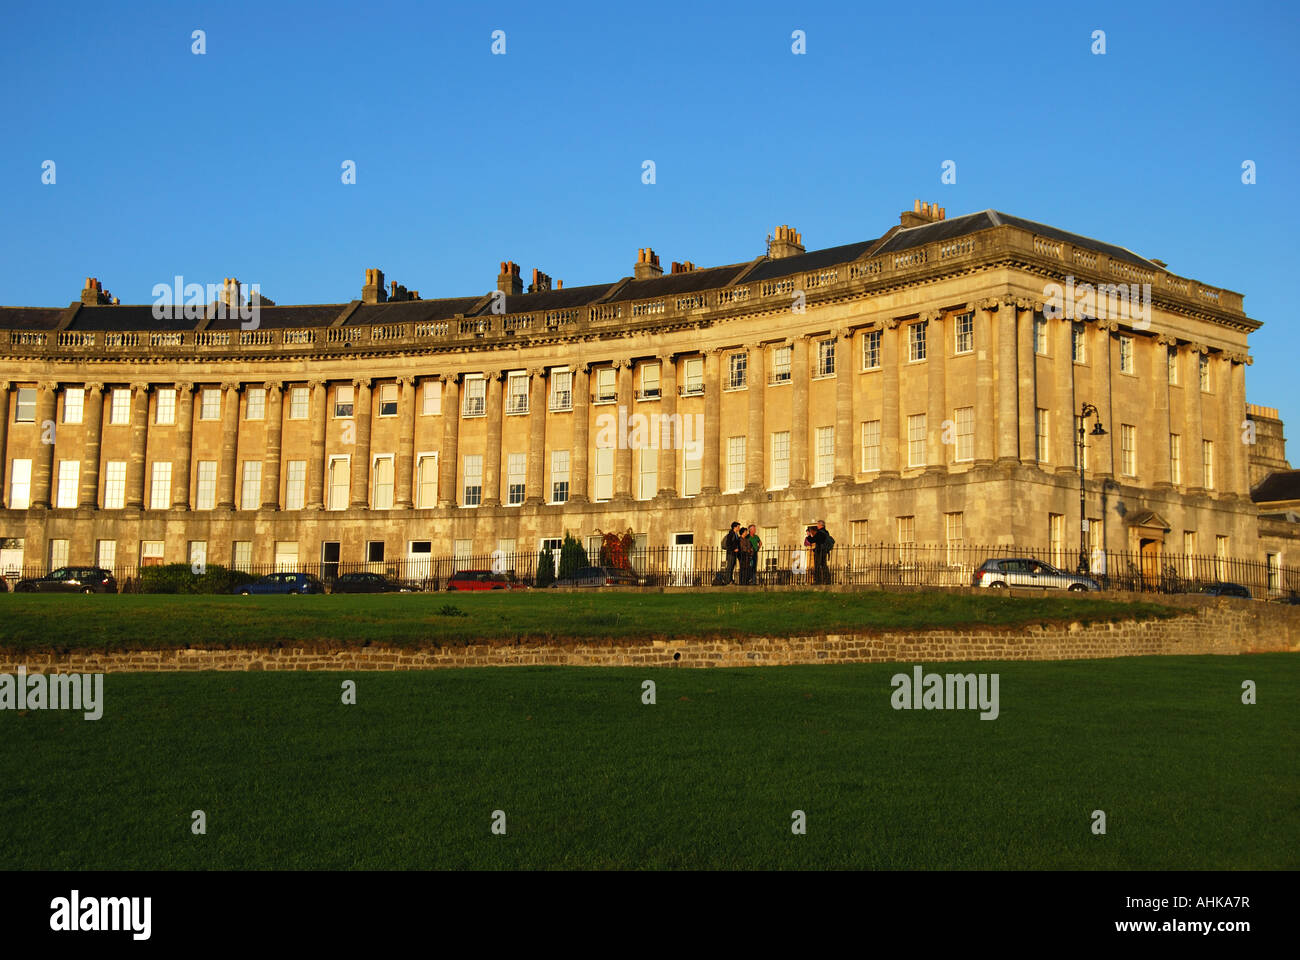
[70, 580]
[1225, 590]
[372, 583]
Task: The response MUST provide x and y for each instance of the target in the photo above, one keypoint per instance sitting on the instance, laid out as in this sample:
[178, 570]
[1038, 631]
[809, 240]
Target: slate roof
[1279, 485]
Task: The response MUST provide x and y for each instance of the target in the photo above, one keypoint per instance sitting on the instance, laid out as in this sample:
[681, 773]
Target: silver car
[1026, 572]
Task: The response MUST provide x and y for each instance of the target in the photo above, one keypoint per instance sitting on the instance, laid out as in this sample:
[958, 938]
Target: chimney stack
[508, 280]
[647, 265]
[684, 267]
[94, 295]
[230, 293]
[373, 291]
[785, 242]
[921, 214]
[541, 282]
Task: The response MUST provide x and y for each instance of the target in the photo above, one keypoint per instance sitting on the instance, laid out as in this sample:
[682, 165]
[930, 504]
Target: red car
[484, 580]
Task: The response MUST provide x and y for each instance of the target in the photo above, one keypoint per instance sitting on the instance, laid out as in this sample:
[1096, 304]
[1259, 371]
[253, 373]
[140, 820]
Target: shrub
[180, 578]
[573, 556]
[545, 568]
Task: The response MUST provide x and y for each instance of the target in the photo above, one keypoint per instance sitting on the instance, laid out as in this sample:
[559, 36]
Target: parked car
[1225, 590]
[484, 580]
[1027, 572]
[281, 583]
[599, 577]
[70, 580]
[373, 583]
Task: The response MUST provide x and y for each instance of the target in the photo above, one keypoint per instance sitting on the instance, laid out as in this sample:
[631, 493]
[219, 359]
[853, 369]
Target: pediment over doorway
[1149, 519]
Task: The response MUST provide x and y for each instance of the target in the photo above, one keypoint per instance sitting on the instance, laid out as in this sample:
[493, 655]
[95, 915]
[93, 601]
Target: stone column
[844, 380]
[668, 410]
[623, 450]
[754, 449]
[1066, 405]
[135, 466]
[578, 460]
[316, 473]
[274, 432]
[1008, 410]
[801, 374]
[1230, 419]
[889, 399]
[1240, 361]
[47, 393]
[359, 497]
[93, 414]
[1103, 447]
[4, 437]
[1027, 383]
[447, 496]
[712, 422]
[1193, 466]
[184, 454]
[1160, 475]
[404, 467]
[492, 451]
[229, 465]
[535, 479]
[985, 412]
[936, 412]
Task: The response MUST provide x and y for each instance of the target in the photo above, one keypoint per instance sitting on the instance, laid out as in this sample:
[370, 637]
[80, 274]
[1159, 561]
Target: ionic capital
[232, 385]
[930, 316]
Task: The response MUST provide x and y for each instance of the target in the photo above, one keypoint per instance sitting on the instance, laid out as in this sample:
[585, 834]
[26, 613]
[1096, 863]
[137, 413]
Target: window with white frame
[151, 553]
[916, 334]
[426, 490]
[25, 405]
[647, 473]
[66, 494]
[1125, 354]
[781, 357]
[561, 389]
[164, 412]
[735, 464]
[250, 486]
[780, 468]
[115, 485]
[1128, 449]
[255, 404]
[559, 476]
[825, 451]
[1175, 458]
[737, 370]
[432, 399]
[160, 485]
[1207, 463]
[649, 382]
[340, 482]
[286, 556]
[1040, 335]
[870, 446]
[826, 358]
[74, 401]
[606, 387]
[241, 555]
[299, 403]
[1221, 557]
[1056, 539]
[516, 476]
[295, 485]
[1203, 367]
[475, 403]
[916, 440]
[1078, 343]
[119, 408]
[462, 552]
[963, 333]
[20, 484]
[209, 403]
[198, 553]
[871, 350]
[516, 393]
[693, 377]
[691, 474]
[381, 487]
[906, 539]
[106, 554]
[473, 487]
[1042, 448]
[859, 530]
[604, 473]
[964, 427]
[344, 401]
[388, 399]
[954, 534]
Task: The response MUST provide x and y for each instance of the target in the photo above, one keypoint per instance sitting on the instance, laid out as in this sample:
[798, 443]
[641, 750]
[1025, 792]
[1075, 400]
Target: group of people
[742, 545]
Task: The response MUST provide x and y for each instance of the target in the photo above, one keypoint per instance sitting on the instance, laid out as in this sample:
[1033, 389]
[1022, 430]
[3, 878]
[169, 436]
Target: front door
[681, 559]
[329, 560]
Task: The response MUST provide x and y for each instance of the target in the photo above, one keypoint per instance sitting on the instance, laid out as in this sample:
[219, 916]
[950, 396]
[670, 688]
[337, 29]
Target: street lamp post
[1097, 431]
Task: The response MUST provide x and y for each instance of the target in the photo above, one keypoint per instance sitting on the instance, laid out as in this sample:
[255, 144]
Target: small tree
[573, 556]
[545, 568]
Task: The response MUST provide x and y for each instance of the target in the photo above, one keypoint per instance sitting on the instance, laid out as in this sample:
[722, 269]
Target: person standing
[731, 546]
[755, 545]
[823, 542]
[746, 556]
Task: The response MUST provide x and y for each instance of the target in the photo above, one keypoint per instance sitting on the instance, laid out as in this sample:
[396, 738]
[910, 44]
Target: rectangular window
[473, 481]
[1171, 364]
[906, 539]
[299, 403]
[649, 382]
[209, 403]
[432, 399]
[58, 554]
[1125, 354]
[1203, 367]
[286, 556]
[115, 484]
[871, 350]
[343, 401]
[737, 371]
[1273, 565]
[426, 482]
[781, 357]
[255, 405]
[151, 553]
[780, 468]
[954, 534]
[25, 405]
[647, 473]
[250, 487]
[824, 470]
[858, 531]
[964, 423]
[693, 377]
[559, 476]
[20, 484]
[1207, 462]
[1078, 343]
[916, 440]
[295, 485]
[1040, 433]
[160, 485]
[1221, 558]
[381, 486]
[1175, 458]
[119, 410]
[517, 394]
[1040, 336]
[475, 404]
[165, 407]
[735, 464]
[964, 333]
[340, 482]
[516, 475]
[604, 474]
[106, 554]
[463, 549]
[606, 387]
[690, 475]
[825, 358]
[66, 493]
[870, 445]
[1056, 539]
[74, 401]
[916, 341]
[388, 400]
[1189, 554]
[198, 551]
[561, 390]
[241, 555]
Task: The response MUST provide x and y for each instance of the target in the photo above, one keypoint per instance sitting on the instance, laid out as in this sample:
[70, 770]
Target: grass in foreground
[589, 777]
[52, 622]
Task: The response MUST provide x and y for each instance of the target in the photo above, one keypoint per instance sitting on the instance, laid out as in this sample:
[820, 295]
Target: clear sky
[229, 163]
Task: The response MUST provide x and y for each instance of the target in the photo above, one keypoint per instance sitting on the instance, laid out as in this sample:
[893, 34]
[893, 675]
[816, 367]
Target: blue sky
[229, 163]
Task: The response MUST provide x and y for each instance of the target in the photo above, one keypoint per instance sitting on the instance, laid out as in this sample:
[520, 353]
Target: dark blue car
[281, 583]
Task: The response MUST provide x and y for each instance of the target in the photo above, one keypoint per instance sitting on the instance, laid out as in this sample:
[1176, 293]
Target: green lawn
[589, 777]
[43, 622]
